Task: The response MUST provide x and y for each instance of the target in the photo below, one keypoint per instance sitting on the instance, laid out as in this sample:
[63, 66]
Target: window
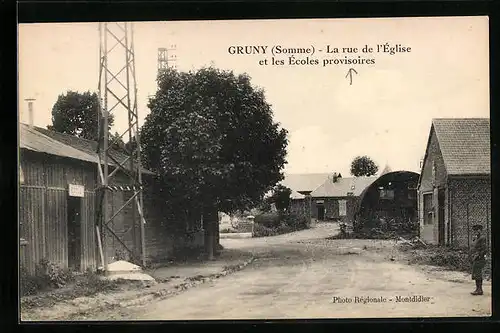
[433, 179]
[427, 209]
[412, 194]
[386, 194]
[342, 207]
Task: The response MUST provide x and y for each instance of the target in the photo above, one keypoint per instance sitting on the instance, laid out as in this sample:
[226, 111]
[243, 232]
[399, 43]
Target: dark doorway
[321, 213]
[428, 208]
[441, 237]
[74, 227]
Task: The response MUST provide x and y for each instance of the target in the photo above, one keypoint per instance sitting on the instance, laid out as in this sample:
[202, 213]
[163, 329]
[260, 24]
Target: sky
[385, 112]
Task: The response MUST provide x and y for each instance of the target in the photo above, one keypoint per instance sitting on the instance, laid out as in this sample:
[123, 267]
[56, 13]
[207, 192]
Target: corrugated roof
[66, 145]
[464, 144]
[303, 182]
[343, 187]
[33, 140]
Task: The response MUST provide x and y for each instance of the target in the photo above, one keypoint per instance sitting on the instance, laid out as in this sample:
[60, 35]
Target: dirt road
[302, 275]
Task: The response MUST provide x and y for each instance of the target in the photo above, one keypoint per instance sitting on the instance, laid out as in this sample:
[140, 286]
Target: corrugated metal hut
[390, 201]
[57, 205]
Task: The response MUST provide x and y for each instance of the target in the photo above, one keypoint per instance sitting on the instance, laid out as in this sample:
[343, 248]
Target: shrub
[52, 275]
[29, 284]
[260, 230]
[47, 275]
[296, 221]
[268, 220]
[277, 224]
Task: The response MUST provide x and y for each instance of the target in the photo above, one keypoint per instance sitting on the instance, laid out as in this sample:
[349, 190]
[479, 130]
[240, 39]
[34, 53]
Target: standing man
[479, 250]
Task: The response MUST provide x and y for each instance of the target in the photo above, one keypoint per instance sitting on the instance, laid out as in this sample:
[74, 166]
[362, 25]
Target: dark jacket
[479, 248]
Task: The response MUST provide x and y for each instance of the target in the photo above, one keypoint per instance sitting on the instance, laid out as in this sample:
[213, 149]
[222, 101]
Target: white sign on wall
[76, 190]
[342, 207]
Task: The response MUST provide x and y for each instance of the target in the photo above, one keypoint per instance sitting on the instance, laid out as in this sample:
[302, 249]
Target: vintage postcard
[255, 169]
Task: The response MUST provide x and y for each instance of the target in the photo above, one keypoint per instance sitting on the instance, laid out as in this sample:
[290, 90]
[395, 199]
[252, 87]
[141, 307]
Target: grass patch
[47, 276]
[373, 234]
[85, 285]
[440, 256]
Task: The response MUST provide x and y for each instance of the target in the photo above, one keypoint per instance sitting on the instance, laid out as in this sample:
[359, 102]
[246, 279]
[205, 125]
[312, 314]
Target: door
[427, 209]
[321, 212]
[74, 228]
[441, 227]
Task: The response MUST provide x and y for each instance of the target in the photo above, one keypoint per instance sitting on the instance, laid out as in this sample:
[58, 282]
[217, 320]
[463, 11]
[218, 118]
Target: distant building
[305, 183]
[454, 189]
[337, 198]
[390, 198]
[386, 169]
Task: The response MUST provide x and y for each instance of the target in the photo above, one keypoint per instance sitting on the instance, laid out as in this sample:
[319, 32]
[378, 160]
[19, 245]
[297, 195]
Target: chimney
[334, 177]
[30, 111]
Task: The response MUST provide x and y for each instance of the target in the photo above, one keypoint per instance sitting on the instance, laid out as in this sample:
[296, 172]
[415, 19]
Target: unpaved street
[298, 276]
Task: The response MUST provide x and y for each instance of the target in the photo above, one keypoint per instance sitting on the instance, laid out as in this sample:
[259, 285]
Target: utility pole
[118, 96]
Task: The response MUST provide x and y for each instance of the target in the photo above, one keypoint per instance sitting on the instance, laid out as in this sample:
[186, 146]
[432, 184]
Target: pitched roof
[303, 182]
[60, 144]
[343, 186]
[464, 144]
[33, 140]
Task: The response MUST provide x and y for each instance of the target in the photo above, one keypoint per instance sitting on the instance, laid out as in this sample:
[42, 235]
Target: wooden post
[100, 245]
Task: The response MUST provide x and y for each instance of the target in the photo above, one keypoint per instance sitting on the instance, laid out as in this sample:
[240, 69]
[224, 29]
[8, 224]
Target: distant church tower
[387, 169]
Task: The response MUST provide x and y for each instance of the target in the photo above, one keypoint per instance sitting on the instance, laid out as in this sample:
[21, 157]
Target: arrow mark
[349, 73]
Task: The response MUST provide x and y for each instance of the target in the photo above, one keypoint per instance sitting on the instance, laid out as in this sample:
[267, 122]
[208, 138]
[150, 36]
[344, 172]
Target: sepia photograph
[254, 169]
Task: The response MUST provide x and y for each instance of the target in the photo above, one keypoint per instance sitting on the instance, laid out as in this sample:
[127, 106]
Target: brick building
[454, 188]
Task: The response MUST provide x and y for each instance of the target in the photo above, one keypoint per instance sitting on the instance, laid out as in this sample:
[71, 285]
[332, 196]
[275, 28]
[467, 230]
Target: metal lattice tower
[166, 58]
[118, 96]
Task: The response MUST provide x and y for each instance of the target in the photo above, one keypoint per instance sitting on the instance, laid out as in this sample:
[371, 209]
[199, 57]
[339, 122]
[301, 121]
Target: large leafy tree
[77, 114]
[211, 138]
[363, 166]
[281, 197]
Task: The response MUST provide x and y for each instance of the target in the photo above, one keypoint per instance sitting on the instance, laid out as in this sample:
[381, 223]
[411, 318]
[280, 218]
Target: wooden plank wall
[88, 235]
[43, 214]
[43, 209]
